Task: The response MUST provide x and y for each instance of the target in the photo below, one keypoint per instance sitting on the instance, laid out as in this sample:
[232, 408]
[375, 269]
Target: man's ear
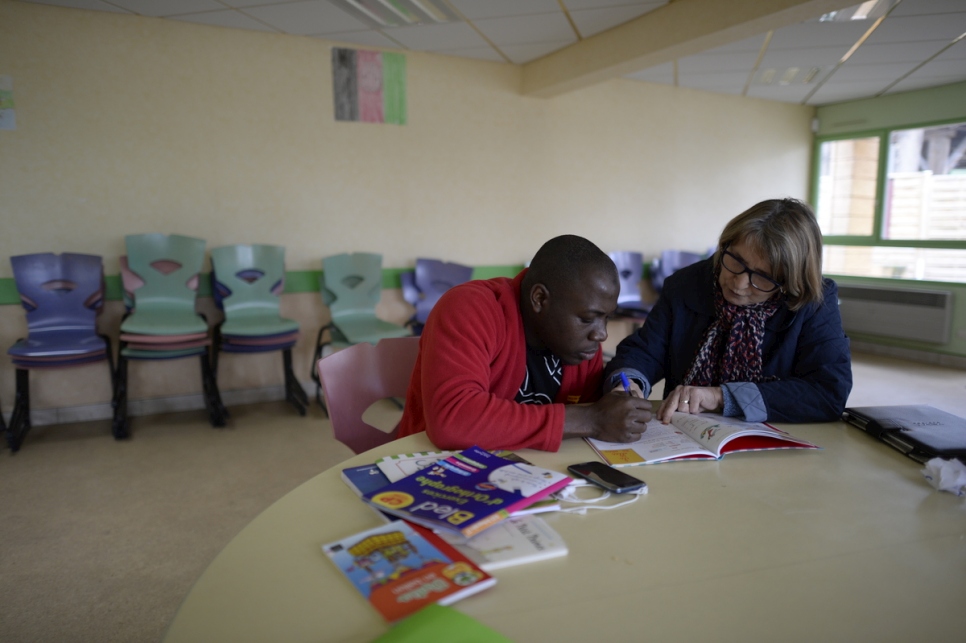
[539, 298]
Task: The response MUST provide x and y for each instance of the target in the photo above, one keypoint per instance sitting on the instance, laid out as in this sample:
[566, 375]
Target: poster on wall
[369, 86]
[8, 118]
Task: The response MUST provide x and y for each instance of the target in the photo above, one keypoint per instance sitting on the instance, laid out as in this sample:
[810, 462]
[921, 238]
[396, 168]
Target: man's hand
[616, 417]
[691, 399]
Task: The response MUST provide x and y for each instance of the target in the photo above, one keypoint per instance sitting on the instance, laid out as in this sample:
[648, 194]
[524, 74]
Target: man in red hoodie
[516, 363]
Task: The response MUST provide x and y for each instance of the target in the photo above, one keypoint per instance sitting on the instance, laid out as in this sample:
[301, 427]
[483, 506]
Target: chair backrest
[248, 279]
[169, 266]
[353, 283]
[410, 293]
[670, 262]
[433, 278]
[59, 292]
[630, 268]
[356, 377]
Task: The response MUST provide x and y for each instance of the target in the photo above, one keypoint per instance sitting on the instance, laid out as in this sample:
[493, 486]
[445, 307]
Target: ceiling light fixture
[866, 11]
[863, 10]
[788, 76]
[383, 14]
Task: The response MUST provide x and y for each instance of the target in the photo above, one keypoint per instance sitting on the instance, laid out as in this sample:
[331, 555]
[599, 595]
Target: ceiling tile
[316, 17]
[894, 52]
[932, 27]
[92, 5]
[520, 54]
[914, 82]
[885, 72]
[943, 68]
[819, 34]
[837, 92]
[923, 7]
[251, 3]
[477, 53]
[593, 21]
[455, 35]
[523, 30]
[803, 57]
[226, 18]
[369, 38]
[956, 52]
[168, 7]
[476, 9]
[743, 61]
[577, 5]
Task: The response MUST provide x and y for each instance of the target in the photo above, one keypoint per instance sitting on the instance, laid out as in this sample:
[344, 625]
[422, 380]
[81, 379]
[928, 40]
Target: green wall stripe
[296, 281]
[8, 292]
[491, 272]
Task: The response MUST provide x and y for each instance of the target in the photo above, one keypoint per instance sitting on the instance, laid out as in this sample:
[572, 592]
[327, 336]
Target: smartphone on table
[607, 476]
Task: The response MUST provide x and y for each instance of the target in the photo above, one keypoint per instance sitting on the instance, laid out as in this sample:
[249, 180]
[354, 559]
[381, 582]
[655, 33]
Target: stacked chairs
[351, 289]
[246, 283]
[163, 323]
[423, 287]
[62, 295]
[630, 269]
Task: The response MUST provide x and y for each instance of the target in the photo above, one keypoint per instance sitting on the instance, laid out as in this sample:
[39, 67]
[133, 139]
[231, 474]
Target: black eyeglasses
[759, 281]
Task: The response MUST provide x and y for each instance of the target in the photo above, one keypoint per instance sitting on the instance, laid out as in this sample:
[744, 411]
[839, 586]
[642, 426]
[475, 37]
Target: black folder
[921, 432]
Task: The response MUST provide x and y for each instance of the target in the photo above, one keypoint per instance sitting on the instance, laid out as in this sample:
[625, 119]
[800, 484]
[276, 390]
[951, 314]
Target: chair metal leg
[294, 394]
[119, 424]
[20, 419]
[217, 413]
[319, 347]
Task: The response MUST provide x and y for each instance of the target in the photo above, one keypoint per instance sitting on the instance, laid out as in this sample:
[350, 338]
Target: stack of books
[450, 518]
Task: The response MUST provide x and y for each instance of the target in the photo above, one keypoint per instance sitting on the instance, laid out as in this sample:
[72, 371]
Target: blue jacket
[807, 351]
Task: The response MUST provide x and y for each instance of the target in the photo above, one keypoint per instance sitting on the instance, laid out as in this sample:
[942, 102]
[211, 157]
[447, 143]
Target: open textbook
[704, 436]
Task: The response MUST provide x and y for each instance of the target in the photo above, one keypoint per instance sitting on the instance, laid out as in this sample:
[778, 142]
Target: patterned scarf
[731, 350]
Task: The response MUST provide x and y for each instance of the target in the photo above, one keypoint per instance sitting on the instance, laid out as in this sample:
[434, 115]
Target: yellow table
[844, 544]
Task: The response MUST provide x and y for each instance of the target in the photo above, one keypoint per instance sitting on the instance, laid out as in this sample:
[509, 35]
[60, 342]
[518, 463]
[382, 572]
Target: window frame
[876, 239]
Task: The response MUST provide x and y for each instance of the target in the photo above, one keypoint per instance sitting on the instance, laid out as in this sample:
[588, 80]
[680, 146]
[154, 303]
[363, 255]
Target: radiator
[923, 315]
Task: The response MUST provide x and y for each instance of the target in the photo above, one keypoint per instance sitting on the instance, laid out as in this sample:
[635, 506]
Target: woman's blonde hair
[786, 232]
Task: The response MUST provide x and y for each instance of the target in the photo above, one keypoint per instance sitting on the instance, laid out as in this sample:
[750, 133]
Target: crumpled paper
[946, 475]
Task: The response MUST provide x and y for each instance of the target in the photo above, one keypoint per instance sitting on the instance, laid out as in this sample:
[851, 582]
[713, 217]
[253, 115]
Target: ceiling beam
[681, 28]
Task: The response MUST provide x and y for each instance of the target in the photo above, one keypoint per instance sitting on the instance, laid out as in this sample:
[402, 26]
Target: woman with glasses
[753, 332]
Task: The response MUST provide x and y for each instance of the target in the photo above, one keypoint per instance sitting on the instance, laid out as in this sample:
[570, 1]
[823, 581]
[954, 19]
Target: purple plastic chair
[433, 278]
[62, 295]
[423, 287]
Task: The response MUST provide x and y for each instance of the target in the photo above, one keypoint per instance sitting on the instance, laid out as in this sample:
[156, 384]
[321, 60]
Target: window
[893, 204]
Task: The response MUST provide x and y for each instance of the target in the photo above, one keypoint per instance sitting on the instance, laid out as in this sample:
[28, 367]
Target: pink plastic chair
[354, 378]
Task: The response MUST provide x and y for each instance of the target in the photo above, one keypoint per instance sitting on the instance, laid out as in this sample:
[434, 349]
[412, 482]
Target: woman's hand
[691, 399]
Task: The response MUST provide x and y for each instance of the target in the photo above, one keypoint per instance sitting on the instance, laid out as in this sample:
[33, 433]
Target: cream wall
[128, 124]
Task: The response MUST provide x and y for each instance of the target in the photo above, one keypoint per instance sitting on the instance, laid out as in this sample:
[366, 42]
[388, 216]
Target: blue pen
[626, 383]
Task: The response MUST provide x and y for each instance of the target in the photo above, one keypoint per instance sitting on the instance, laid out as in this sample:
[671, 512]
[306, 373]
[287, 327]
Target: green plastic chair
[246, 282]
[165, 303]
[352, 286]
[166, 268]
